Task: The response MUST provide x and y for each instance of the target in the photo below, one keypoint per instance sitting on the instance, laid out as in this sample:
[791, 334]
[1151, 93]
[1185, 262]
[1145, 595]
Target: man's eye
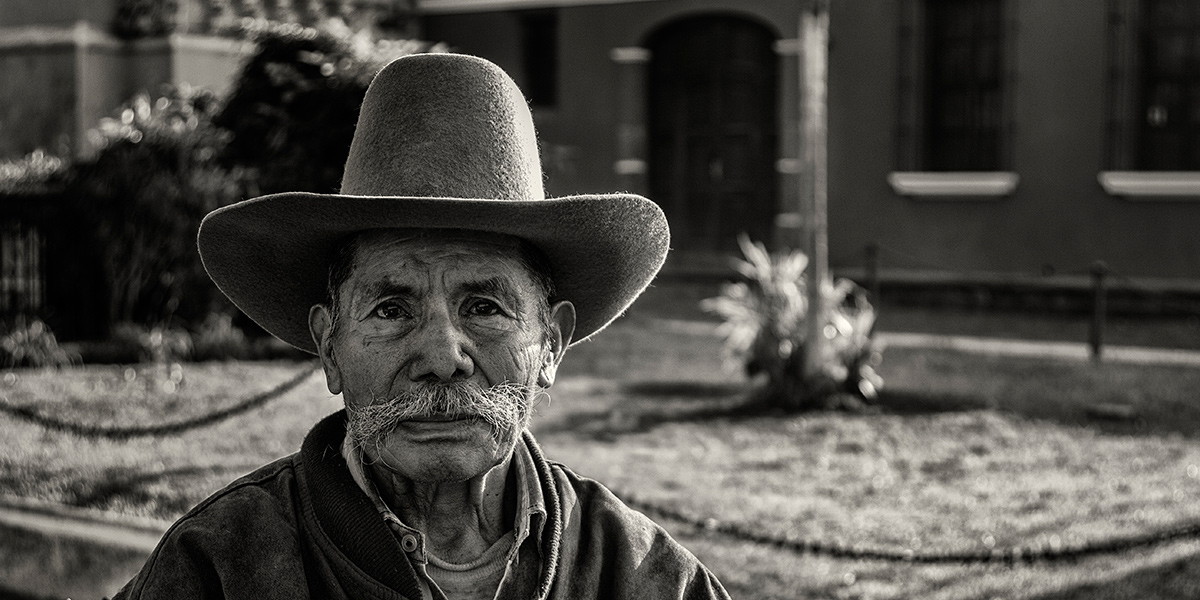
[484, 308]
[389, 310]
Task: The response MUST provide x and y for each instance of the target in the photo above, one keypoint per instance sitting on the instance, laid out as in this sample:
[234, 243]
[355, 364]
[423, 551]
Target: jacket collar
[351, 520]
[345, 514]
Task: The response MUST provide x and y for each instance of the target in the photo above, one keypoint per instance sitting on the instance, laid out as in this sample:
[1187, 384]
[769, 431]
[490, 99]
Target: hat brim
[270, 255]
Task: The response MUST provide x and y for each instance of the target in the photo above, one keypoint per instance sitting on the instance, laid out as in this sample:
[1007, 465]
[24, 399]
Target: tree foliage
[294, 106]
[34, 174]
[164, 162]
[153, 179]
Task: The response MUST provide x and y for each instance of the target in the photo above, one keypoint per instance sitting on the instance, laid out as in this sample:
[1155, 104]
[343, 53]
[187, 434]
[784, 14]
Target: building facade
[1000, 139]
[992, 139]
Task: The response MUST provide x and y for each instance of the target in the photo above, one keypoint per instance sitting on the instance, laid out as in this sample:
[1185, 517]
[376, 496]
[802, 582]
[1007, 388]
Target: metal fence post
[1099, 309]
[872, 267]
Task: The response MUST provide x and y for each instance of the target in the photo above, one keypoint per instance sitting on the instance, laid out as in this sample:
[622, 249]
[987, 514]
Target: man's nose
[438, 351]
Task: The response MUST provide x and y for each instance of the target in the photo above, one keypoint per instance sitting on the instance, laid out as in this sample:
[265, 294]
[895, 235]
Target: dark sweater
[301, 528]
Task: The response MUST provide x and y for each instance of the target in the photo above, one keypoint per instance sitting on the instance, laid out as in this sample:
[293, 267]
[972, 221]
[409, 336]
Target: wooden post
[1099, 310]
[813, 36]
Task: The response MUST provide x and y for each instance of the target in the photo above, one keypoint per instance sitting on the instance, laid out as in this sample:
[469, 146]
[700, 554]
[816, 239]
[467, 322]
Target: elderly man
[441, 289]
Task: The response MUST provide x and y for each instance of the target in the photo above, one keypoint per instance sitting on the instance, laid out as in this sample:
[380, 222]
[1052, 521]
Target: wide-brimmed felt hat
[444, 141]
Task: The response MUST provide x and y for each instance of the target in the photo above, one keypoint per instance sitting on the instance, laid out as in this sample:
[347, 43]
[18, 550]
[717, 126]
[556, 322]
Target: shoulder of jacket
[247, 488]
[629, 533]
[206, 528]
[595, 498]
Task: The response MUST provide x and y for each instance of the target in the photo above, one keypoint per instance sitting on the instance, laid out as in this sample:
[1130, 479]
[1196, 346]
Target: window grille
[955, 67]
[22, 283]
[1153, 85]
[1169, 90]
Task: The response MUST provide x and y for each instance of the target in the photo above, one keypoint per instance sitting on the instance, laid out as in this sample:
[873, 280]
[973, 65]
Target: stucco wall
[106, 78]
[17, 13]
[1058, 218]
[207, 62]
[56, 83]
[37, 99]
[580, 132]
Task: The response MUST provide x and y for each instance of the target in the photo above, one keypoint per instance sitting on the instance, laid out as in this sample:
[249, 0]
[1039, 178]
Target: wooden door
[713, 132]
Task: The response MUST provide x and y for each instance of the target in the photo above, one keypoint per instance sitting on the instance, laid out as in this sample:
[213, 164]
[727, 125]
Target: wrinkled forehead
[383, 252]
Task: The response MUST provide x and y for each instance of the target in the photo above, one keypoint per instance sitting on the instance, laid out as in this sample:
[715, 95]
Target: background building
[999, 143]
[998, 138]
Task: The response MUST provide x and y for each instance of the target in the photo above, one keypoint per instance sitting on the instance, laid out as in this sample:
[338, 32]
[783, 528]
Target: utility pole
[813, 82]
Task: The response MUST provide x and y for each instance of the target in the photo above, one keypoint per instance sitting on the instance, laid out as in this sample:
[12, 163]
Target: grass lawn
[966, 453]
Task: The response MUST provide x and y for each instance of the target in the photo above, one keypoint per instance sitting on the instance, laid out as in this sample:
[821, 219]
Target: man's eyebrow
[495, 286]
[387, 287]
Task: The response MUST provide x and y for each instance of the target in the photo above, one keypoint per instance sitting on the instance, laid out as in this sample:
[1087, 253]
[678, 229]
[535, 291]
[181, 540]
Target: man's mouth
[442, 418]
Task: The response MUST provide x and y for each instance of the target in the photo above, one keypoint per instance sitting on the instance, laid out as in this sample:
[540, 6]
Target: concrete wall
[56, 83]
[57, 78]
[37, 99]
[580, 135]
[1058, 218]
[206, 61]
[582, 128]
[61, 13]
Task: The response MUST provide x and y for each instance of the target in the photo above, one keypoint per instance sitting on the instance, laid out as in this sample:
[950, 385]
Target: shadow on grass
[909, 402]
[646, 405]
[120, 483]
[685, 389]
[1176, 579]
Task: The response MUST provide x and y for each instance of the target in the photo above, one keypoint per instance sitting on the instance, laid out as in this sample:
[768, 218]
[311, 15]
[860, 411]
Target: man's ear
[320, 325]
[562, 327]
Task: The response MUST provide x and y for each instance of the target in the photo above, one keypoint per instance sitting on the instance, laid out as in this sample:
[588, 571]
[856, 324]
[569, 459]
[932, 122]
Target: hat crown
[444, 126]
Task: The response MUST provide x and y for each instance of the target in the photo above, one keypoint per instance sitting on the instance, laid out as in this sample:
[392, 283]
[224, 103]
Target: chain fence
[876, 252]
[1009, 556]
[30, 414]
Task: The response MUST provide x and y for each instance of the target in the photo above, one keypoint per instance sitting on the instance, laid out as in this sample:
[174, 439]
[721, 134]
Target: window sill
[1152, 185]
[954, 185]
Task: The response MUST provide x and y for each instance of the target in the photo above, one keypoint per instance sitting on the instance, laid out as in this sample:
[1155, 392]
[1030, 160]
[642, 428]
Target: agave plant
[765, 329]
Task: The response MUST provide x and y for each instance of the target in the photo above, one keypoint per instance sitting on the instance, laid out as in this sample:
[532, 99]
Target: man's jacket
[302, 528]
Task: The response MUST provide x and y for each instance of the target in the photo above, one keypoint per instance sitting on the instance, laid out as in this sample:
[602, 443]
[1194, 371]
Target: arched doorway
[713, 131]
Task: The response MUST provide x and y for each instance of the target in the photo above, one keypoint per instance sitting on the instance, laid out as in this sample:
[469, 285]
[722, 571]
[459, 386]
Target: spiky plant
[764, 328]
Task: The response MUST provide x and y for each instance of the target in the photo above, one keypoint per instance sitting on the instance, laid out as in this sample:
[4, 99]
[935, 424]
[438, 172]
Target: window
[1170, 86]
[963, 86]
[954, 86]
[539, 52]
[22, 287]
[1154, 85]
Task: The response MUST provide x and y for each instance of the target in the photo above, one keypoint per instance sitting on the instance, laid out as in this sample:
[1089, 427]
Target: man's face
[439, 308]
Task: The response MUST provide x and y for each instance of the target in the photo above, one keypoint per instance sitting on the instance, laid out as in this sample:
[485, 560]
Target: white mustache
[504, 407]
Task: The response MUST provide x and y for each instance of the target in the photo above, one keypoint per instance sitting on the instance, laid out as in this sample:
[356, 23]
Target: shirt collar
[531, 500]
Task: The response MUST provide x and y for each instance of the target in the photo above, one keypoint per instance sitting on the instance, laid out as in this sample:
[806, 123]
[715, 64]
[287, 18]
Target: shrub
[145, 192]
[157, 344]
[107, 352]
[32, 174]
[30, 343]
[218, 339]
[765, 328]
[143, 18]
[294, 106]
